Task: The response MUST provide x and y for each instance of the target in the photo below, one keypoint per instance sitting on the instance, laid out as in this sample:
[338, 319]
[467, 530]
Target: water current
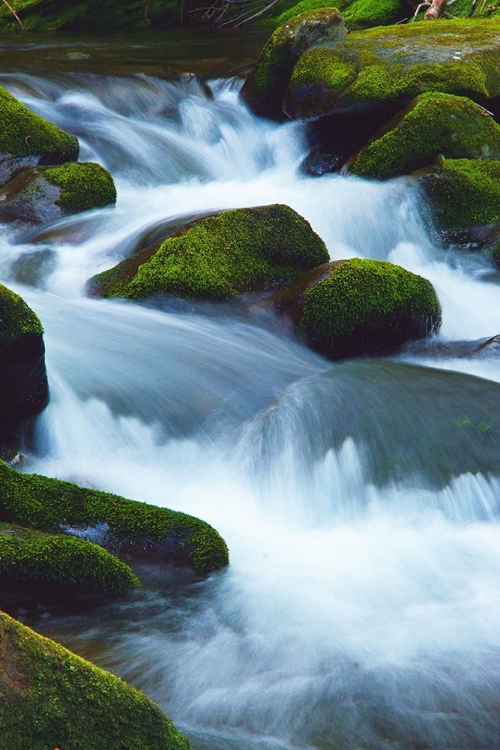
[360, 500]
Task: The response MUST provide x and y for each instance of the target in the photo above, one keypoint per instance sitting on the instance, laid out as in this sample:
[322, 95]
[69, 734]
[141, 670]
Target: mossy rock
[358, 14]
[368, 307]
[464, 196]
[23, 378]
[43, 194]
[220, 256]
[26, 139]
[265, 88]
[41, 568]
[432, 124]
[50, 698]
[385, 68]
[125, 527]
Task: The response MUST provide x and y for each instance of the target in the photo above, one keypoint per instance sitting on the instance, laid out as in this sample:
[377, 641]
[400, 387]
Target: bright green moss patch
[140, 529]
[463, 193]
[58, 566]
[358, 14]
[50, 698]
[24, 133]
[83, 186]
[432, 124]
[16, 318]
[368, 306]
[221, 256]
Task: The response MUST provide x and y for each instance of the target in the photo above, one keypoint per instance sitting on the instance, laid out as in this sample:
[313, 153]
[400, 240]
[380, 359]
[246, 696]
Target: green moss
[368, 306]
[289, 11]
[59, 565]
[432, 124]
[221, 256]
[26, 134]
[16, 318]
[463, 193]
[50, 698]
[83, 186]
[53, 505]
[358, 14]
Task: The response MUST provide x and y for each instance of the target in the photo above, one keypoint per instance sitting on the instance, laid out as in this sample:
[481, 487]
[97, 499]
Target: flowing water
[360, 500]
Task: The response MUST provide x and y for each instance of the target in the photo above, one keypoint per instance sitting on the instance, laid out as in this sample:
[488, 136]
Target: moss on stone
[24, 133]
[220, 256]
[50, 698]
[83, 186]
[432, 124]
[368, 306]
[55, 566]
[463, 193]
[130, 526]
[16, 317]
[358, 14]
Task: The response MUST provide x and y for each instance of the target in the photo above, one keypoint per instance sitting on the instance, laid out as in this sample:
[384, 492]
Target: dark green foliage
[51, 698]
[140, 529]
[58, 566]
[368, 306]
[83, 186]
[221, 256]
[432, 124]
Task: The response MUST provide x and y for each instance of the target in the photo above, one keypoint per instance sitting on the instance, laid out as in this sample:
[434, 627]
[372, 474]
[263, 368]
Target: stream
[360, 500]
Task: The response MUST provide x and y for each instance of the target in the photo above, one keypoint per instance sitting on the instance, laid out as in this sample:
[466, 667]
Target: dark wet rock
[33, 269]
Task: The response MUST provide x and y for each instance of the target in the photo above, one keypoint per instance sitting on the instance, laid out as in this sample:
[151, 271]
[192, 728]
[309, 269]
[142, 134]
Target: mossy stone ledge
[43, 194]
[24, 392]
[41, 568]
[358, 14]
[368, 307]
[433, 124]
[218, 257]
[128, 528]
[51, 698]
[27, 140]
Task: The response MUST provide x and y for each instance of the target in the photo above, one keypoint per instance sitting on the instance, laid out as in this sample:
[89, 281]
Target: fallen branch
[11, 9]
[437, 9]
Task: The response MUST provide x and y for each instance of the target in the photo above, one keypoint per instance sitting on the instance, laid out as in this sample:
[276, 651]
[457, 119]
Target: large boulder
[127, 528]
[432, 124]
[220, 256]
[358, 14]
[43, 194]
[265, 88]
[40, 568]
[50, 698]
[356, 307]
[24, 389]
[27, 140]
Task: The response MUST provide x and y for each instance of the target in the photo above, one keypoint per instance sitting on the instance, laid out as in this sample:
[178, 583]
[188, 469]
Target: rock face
[357, 307]
[265, 88]
[243, 250]
[27, 140]
[44, 194]
[125, 527]
[24, 390]
[40, 568]
[432, 124]
[50, 698]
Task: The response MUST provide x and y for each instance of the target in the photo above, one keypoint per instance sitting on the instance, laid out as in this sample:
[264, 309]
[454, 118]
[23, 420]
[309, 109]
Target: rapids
[360, 500]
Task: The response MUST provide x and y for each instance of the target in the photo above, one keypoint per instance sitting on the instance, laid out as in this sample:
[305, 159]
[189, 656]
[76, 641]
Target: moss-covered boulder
[27, 140]
[44, 194]
[220, 256]
[265, 88]
[464, 196]
[23, 378]
[368, 307]
[40, 568]
[432, 124]
[127, 528]
[50, 698]
[386, 67]
[358, 14]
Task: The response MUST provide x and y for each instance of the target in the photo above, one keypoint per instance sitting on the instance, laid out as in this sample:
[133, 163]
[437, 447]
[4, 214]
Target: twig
[14, 14]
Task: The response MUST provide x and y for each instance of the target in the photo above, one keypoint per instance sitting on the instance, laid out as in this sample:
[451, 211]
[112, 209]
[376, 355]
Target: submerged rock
[23, 378]
[50, 698]
[220, 256]
[43, 194]
[41, 568]
[124, 527]
[27, 140]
